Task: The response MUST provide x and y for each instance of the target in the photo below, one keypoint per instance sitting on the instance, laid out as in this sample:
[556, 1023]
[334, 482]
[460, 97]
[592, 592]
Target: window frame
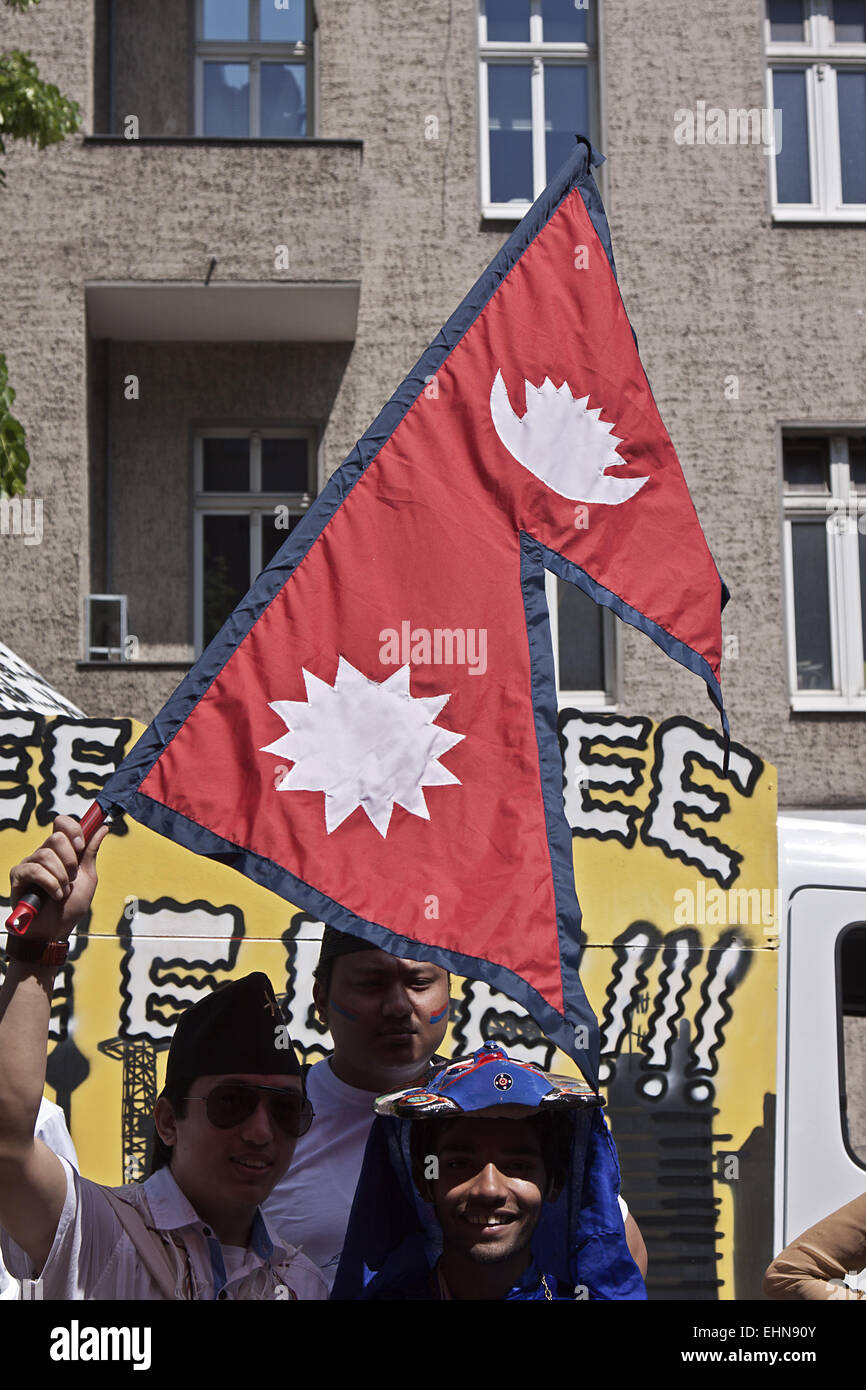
[538, 53]
[843, 572]
[606, 699]
[820, 57]
[94, 652]
[858, 1157]
[253, 504]
[254, 51]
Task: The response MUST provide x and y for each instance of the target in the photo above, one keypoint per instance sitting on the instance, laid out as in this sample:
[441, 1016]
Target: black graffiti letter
[17, 801]
[585, 768]
[681, 746]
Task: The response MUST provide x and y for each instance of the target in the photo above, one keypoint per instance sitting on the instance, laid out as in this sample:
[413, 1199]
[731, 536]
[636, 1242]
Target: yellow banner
[675, 867]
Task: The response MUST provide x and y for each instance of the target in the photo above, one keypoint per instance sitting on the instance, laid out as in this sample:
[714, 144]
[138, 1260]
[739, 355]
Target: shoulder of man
[51, 1128]
[132, 1194]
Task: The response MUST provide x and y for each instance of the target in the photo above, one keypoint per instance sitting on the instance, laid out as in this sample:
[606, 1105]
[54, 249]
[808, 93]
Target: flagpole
[31, 903]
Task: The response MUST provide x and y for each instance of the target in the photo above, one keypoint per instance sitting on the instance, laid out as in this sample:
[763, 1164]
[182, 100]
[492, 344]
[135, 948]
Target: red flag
[373, 733]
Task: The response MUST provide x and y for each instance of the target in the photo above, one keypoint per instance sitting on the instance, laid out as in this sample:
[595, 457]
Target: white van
[821, 1068]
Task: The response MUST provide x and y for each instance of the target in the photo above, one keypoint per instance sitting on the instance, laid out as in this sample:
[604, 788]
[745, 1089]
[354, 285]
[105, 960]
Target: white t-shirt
[51, 1129]
[310, 1204]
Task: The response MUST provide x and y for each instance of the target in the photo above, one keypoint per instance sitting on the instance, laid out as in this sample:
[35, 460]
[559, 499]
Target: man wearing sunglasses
[227, 1122]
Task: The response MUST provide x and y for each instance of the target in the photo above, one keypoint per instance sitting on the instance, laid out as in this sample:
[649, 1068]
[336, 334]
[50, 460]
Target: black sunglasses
[232, 1102]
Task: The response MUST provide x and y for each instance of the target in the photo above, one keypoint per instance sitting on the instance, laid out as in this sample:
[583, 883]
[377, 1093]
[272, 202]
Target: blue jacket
[393, 1239]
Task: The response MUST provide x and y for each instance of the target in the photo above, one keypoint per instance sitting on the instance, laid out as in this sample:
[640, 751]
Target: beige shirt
[815, 1265]
[93, 1256]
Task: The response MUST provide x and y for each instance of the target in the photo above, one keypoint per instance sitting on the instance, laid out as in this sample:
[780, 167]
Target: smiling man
[493, 1181]
[227, 1123]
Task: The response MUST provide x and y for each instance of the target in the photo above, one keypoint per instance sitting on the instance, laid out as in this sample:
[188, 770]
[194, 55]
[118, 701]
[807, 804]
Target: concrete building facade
[182, 308]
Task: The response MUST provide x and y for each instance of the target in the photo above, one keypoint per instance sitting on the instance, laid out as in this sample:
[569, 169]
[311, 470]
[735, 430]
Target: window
[584, 646]
[816, 52]
[537, 90]
[105, 636]
[825, 569]
[253, 68]
[252, 488]
[851, 997]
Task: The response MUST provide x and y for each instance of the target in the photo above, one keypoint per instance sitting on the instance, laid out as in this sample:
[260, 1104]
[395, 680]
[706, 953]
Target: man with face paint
[387, 1016]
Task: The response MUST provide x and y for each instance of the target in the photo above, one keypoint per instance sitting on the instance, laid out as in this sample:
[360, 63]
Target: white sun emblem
[363, 744]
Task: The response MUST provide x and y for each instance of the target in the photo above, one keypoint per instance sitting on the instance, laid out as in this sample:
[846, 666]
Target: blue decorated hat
[486, 1079]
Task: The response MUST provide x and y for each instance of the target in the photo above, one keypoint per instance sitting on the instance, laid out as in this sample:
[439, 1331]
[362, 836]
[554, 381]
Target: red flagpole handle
[32, 903]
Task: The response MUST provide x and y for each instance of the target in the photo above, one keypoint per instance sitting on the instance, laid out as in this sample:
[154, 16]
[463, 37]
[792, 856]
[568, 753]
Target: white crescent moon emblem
[563, 443]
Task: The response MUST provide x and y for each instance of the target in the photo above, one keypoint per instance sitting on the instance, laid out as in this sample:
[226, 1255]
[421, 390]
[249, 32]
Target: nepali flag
[372, 734]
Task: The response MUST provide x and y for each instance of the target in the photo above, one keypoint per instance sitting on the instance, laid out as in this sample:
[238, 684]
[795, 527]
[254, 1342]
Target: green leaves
[31, 109]
[14, 458]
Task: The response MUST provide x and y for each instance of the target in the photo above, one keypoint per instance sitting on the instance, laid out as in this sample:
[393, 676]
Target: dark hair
[324, 971]
[555, 1129]
[159, 1155]
[322, 975]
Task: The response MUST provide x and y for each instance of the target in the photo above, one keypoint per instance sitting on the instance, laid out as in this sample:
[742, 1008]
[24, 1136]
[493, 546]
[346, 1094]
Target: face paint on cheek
[353, 1018]
[437, 1018]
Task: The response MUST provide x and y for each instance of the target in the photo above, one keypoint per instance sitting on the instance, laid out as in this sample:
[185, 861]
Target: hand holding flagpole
[33, 901]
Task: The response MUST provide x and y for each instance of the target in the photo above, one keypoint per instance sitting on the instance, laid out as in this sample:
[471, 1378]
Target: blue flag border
[121, 790]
